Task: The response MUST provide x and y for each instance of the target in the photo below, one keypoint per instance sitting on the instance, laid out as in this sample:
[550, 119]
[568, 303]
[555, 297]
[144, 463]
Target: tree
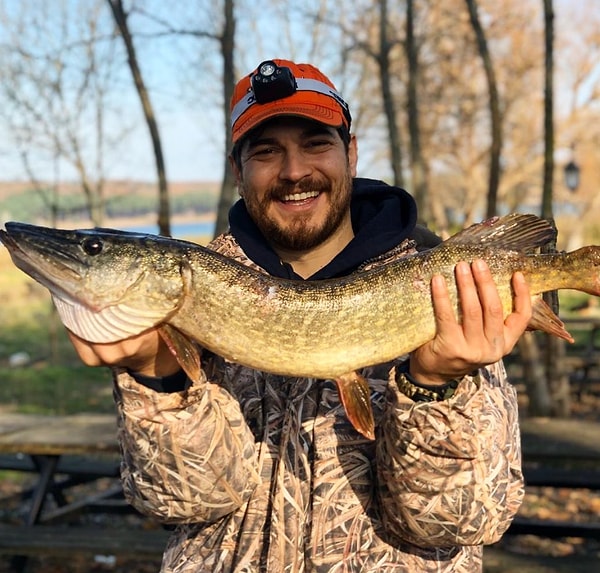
[417, 161]
[182, 25]
[228, 188]
[382, 57]
[55, 87]
[120, 16]
[494, 105]
[558, 381]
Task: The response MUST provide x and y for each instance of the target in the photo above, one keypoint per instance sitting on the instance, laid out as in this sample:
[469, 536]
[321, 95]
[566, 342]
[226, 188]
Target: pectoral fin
[355, 396]
[184, 349]
[543, 318]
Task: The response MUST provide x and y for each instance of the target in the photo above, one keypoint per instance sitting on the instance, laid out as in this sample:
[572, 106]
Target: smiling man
[264, 473]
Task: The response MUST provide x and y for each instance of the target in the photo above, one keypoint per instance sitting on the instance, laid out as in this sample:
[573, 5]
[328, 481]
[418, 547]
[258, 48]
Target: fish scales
[329, 328]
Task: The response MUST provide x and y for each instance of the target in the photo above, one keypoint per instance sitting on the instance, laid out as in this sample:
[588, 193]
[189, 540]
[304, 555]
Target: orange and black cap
[281, 87]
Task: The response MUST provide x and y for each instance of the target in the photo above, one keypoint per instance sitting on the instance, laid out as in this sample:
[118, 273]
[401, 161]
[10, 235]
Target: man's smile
[300, 197]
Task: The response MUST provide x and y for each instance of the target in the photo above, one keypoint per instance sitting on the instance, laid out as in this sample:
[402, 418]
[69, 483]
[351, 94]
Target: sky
[191, 132]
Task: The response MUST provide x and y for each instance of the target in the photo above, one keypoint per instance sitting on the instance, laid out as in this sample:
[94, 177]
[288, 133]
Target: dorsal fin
[515, 232]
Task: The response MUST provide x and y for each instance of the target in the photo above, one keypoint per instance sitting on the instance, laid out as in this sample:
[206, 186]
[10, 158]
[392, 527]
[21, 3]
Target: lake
[179, 230]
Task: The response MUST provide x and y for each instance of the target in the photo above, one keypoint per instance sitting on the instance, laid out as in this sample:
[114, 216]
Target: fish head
[107, 285]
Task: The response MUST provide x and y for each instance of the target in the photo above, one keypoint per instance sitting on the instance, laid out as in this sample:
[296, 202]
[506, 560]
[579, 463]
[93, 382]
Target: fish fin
[543, 318]
[184, 349]
[355, 395]
[515, 232]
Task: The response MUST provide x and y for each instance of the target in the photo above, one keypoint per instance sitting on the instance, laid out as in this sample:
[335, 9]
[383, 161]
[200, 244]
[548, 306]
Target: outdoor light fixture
[572, 175]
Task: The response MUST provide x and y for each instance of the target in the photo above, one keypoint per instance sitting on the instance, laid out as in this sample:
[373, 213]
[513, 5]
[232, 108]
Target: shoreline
[139, 221]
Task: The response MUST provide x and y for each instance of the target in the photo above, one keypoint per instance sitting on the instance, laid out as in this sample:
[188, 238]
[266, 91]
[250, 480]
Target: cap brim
[323, 114]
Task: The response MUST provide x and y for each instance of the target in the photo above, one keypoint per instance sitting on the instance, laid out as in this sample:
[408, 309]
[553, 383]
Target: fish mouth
[45, 257]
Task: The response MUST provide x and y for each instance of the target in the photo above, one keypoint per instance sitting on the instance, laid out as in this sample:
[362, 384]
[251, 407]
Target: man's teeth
[301, 196]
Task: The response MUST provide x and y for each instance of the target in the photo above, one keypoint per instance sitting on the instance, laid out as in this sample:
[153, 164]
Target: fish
[108, 285]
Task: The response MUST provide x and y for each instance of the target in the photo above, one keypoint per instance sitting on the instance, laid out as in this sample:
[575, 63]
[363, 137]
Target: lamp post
[572, 171]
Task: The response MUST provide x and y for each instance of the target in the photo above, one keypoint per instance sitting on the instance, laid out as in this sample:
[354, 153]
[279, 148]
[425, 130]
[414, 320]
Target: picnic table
[54, 446]
[63, 452]
[48, 446]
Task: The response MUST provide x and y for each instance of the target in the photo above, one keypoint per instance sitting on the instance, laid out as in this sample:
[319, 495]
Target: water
[179, 230]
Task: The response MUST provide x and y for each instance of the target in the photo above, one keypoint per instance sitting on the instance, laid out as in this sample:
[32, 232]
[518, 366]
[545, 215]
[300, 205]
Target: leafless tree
[222, 31]
[417, 161]
[120, 16]
[558, 381]
[227, 42]
[54, 87]
[494, 106]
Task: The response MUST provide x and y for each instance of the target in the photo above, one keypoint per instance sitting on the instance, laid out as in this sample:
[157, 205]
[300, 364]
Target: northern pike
[108, 285]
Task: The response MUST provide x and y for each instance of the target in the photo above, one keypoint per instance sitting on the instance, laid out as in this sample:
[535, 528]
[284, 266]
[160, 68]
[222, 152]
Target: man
[264, 473]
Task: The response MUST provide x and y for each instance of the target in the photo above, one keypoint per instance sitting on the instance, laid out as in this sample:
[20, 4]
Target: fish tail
[355, 395]
[585, 269]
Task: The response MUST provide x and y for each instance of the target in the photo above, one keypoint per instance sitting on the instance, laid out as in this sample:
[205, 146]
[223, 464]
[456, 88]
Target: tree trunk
[557, 381]
[417, 164]
[228, 188]
[534, 376]
[164, 222]
[494, 104]
[389, 108]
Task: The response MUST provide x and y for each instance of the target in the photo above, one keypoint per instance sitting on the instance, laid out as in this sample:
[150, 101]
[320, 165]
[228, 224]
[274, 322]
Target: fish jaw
[104, 290]
[111, 324]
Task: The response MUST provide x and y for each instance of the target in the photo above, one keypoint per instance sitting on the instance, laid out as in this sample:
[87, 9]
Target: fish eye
[92, 245]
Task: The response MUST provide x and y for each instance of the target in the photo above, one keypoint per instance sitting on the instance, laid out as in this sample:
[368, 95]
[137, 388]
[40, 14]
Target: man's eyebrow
[310, 131]
[261, 140]
[318, 129]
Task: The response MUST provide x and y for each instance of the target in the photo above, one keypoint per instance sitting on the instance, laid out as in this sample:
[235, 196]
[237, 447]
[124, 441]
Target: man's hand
[145, 354]
[483, 337]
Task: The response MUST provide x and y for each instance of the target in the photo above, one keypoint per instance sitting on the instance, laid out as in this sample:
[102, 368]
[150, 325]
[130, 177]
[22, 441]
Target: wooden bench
[62, 451]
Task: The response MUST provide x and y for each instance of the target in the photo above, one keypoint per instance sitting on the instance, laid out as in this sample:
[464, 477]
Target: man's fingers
[442, 306]
[469, 298]
[517, 321]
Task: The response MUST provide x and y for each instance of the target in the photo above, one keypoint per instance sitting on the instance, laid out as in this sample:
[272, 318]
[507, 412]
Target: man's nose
[294, 166]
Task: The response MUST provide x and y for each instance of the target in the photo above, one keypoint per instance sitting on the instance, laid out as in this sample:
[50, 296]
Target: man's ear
[237, 174]
[353, 154]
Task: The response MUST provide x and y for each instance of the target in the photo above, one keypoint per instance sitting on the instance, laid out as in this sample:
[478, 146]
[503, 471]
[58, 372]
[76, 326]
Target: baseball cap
[282, 87]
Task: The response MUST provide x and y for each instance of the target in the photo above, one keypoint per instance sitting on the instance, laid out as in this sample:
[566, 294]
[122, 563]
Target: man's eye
[316, 143]
[263, 151]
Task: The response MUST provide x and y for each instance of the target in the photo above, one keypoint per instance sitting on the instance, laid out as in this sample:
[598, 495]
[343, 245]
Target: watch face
[267, 69]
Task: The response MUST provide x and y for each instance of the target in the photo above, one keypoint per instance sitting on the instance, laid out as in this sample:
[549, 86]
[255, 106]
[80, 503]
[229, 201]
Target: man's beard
[299, 234]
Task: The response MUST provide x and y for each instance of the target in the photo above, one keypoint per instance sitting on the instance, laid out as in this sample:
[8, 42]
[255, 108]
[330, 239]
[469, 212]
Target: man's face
[296, 181]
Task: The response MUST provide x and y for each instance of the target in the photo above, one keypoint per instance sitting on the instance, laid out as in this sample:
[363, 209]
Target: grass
[53, 380]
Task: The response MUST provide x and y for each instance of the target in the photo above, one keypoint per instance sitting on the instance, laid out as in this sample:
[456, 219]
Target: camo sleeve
[450, 471]
[187, 456]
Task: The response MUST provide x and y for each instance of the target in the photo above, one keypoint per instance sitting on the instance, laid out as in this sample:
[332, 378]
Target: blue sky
[191, 131]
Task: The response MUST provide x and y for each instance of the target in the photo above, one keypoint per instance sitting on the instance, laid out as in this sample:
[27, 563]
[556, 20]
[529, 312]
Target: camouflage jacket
[262, 473]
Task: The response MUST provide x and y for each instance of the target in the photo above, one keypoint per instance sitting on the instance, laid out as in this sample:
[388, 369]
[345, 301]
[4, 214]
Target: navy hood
[382, 217]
